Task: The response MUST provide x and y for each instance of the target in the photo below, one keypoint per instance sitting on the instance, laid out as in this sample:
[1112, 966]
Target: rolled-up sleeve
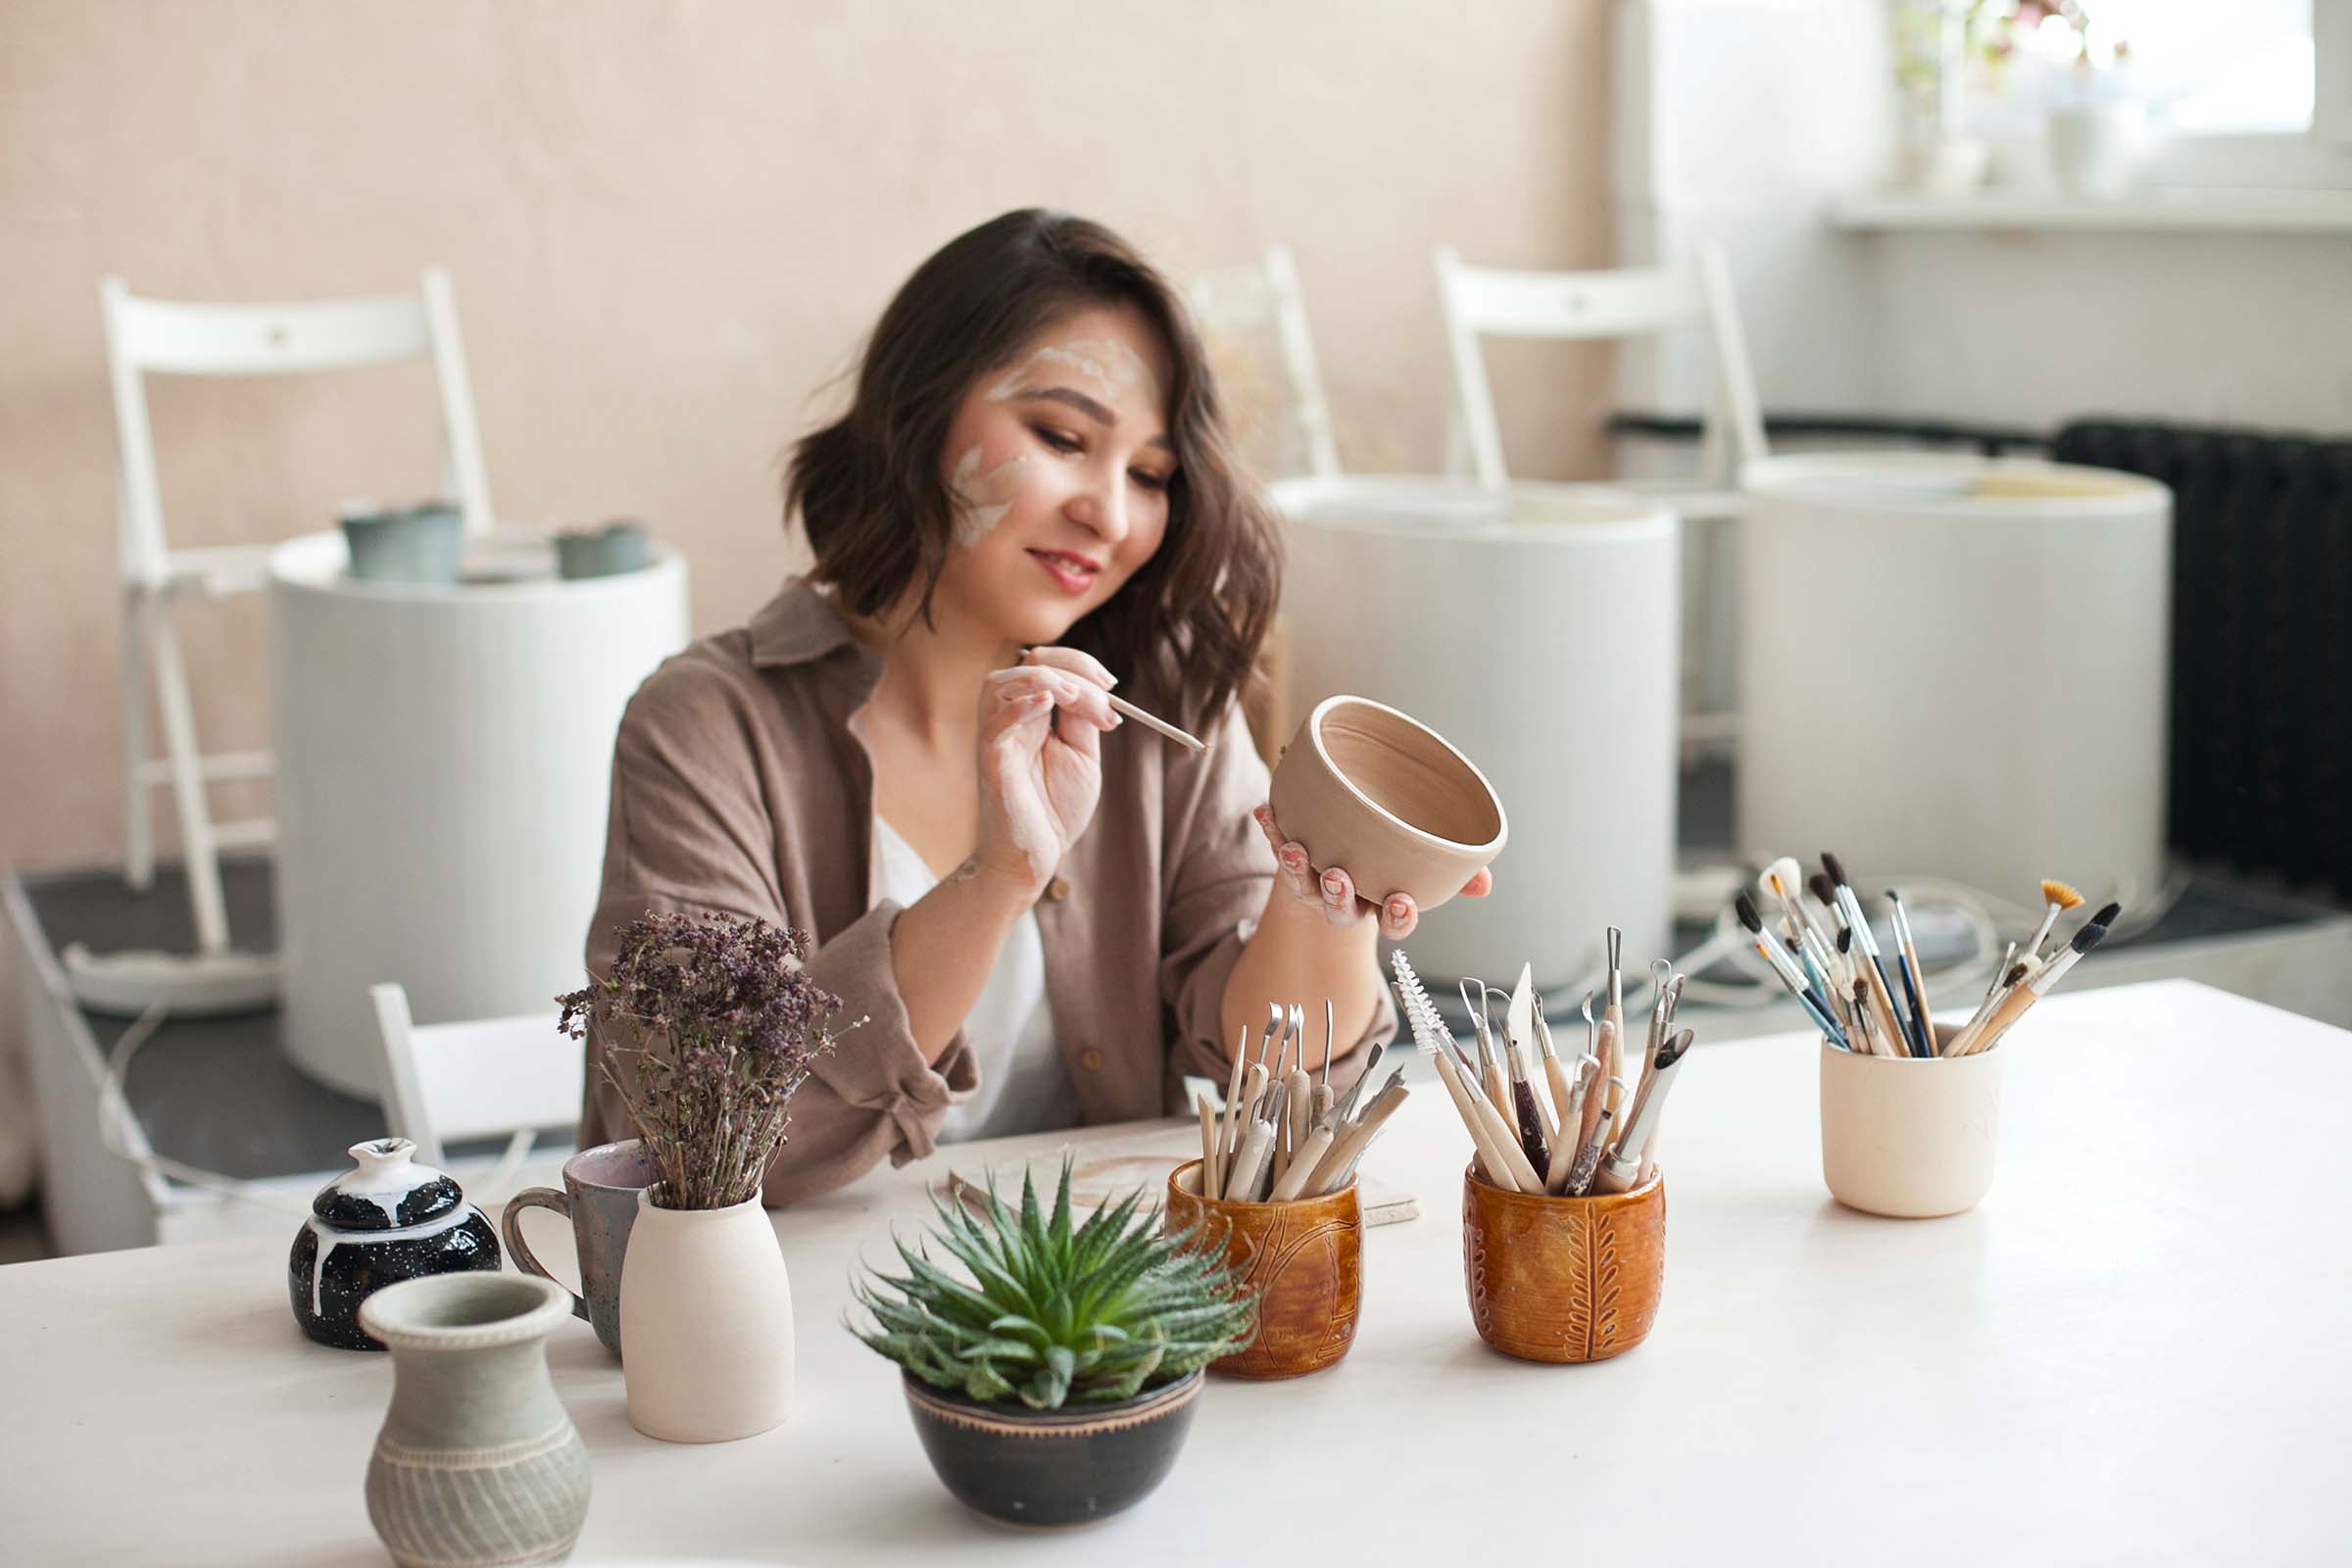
[1217, 872]
[691, 831]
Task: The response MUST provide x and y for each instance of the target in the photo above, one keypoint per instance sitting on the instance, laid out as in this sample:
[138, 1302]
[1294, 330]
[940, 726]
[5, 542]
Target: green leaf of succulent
[1053, 1312]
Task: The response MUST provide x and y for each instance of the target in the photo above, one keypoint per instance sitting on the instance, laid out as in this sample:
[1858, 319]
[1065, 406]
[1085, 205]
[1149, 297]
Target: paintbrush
[1816, 1006]
[1421, 1016]
[1915, 979]
[1868, 943]
[2058, 896]
[2022, 997]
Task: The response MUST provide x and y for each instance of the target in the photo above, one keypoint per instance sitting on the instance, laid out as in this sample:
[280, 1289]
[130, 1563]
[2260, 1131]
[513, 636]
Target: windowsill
[2214, 210]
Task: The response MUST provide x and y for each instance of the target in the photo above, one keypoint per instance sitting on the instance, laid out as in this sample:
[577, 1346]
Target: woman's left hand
[1334, 892]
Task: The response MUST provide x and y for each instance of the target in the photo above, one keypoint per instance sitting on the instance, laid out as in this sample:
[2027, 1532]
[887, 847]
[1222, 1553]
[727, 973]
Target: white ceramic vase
[705, 1323]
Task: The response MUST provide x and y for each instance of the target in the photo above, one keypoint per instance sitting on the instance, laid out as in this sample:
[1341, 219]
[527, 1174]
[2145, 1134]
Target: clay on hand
[1041, 766]
[1334, 892]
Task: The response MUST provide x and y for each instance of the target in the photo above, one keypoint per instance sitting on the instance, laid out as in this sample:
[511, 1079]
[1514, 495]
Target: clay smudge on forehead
[1107, 361]
[982, 499]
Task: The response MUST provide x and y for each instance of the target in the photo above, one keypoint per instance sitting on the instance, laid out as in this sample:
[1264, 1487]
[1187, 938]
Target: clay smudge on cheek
[982, 499]
[1107, 361]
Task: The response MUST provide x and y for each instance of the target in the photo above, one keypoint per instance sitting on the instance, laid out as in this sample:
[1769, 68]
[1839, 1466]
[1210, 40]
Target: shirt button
[1058, 890]
[1090, 1058]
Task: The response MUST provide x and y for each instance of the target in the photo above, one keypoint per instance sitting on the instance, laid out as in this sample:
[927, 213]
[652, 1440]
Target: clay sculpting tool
[1421, 1016]
[1517, 1027]
[1126, 708]
[1915, 979]
[1587, 1158]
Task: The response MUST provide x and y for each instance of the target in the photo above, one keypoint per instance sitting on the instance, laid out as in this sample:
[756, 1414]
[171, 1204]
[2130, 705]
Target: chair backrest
[171, 337]
[445, 1082]
[1266, 296]
[1630, 302]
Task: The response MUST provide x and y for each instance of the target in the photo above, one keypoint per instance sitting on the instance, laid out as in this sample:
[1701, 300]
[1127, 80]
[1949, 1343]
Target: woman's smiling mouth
[1071, 574]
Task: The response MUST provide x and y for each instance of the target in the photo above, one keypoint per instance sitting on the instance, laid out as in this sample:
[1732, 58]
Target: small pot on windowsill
[2097, 146]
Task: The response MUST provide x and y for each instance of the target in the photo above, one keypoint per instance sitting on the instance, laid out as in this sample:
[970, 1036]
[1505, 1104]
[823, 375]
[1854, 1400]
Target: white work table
[2133, 1351]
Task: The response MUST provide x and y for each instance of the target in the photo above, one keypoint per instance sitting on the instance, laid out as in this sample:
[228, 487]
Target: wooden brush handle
[1563, 1152]
[1249, 1164]
[1605, 1048]
[1490, 1159]
[1209, 1148]
[1506, 1145]
[1299, 1179]
[1343, 1153]
[1564, 1096]
[2013, 1007]
[1498, 1091]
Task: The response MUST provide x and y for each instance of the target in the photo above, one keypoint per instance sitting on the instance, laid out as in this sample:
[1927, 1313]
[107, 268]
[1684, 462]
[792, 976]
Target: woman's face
[1058, 468]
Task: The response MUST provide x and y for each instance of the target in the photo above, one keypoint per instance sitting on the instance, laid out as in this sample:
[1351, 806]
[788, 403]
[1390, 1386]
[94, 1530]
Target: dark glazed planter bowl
[1052, 1469]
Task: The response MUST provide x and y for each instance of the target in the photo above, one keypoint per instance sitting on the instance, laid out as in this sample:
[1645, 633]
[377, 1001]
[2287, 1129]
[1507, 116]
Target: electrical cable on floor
[1930, 899]
[120, 1134]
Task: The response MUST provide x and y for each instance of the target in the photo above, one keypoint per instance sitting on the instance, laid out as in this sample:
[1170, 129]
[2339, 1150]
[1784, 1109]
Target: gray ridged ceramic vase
[477, 1462]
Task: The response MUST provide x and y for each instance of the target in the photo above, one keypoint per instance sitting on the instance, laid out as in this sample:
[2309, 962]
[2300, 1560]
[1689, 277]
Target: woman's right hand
[1041, 763]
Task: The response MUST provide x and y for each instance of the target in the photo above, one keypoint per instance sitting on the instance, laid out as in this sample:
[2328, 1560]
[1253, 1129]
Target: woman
[1045, 917]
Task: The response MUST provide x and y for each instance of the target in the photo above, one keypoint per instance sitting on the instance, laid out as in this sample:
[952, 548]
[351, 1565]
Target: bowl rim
[1314, 739]
[1082, 1421]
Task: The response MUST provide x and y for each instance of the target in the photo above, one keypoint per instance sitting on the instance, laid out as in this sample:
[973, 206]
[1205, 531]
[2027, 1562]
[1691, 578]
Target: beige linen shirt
[739, 785]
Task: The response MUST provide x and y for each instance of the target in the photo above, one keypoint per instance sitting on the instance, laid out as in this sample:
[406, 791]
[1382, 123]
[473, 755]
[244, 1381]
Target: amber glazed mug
[1305, 1259]
[1563, 1279]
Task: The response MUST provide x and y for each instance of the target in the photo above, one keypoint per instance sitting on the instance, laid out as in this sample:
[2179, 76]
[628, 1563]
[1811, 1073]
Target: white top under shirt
[1023, 1087]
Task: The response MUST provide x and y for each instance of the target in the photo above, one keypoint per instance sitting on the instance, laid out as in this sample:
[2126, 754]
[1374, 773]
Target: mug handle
[510, 1225]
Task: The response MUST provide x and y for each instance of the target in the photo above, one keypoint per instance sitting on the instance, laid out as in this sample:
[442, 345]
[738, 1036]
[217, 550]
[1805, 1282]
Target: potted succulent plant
[709, 1023]
[1052, 1384]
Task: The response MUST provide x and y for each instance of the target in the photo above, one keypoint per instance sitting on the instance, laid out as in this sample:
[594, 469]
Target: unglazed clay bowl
[1563, 1279]
[1306, 1260]
[1385, 796]
[1909, 1137]
[1052, 1469]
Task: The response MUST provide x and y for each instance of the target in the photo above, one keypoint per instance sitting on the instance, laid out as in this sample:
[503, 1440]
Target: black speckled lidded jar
[389, 1220]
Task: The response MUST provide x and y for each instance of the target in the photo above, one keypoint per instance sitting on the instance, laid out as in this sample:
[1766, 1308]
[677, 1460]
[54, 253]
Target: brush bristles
[1829, 863]
[1823, 891]
[1420, 1014]
[2089, 937]
[2060, 894]
[1845, 939]
[2106, 916]
[1748, 917]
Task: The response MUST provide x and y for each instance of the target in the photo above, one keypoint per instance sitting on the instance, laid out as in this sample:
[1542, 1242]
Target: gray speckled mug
[600, 1198]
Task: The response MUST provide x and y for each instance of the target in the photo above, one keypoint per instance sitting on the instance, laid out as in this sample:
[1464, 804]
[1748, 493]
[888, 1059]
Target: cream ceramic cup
[1385, 796]
[1909, 1137]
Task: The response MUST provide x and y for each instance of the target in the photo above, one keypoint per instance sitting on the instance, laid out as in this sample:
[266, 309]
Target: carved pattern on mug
[1600, 1283]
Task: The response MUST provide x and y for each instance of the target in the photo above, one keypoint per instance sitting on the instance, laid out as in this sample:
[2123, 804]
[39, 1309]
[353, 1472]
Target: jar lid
[387, 1191]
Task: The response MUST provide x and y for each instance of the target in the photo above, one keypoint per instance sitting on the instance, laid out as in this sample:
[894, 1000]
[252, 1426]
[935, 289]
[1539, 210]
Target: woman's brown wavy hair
[1186, 628]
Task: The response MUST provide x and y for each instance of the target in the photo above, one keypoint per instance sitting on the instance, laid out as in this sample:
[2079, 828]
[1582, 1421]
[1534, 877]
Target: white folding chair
[446, 1082]
[1266, 297]
[1629, 302]
[148, 336]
